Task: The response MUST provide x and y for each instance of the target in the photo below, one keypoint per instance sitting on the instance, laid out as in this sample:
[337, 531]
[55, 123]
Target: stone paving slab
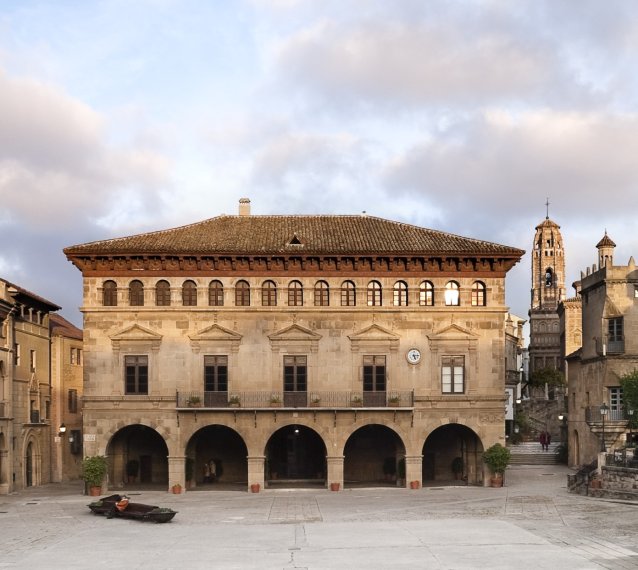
[532, 522]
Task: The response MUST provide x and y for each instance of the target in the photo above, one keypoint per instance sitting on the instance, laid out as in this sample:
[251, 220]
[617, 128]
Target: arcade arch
[295, 454]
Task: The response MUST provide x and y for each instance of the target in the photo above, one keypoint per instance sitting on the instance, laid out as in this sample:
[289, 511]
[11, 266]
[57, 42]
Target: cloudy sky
[125, 116]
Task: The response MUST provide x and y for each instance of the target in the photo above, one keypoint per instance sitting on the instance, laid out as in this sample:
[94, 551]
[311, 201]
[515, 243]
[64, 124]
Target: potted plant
[234, 401]
[176, 489]
[275, 400]
[497, 459]
[457, 467]
[394, 401]
[356, 401]
[315, 401]
[132, 468]
[194, 401]
[93, 471]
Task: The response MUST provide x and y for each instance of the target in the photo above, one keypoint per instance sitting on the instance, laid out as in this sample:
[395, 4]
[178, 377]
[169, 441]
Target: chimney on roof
[244, 206]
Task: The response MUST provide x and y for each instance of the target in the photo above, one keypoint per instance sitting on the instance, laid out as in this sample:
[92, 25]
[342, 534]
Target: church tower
[548, 290]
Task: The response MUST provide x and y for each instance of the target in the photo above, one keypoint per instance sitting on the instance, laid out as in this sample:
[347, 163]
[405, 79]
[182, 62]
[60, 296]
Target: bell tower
[548, 290]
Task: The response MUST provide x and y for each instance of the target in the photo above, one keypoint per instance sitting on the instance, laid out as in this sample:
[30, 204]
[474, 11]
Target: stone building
[25, 388]
[548, 290]
[324, 349]
[609, 305]
[66, 399]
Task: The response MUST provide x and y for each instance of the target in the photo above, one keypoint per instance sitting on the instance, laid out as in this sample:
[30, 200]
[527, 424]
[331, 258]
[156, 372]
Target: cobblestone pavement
[532, 522]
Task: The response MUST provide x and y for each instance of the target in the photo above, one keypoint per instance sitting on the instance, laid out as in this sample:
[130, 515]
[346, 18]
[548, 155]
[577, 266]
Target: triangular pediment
[610, 309]
[372, 333]
[294, 332]
[136, 333]
[453, 332]
[216, 333]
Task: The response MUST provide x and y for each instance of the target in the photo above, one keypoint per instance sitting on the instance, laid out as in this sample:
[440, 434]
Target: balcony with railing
[605, 346]
[310, 399]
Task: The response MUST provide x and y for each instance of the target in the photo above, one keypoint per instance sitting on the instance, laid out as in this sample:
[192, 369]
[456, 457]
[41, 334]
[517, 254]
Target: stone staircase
[530, 453]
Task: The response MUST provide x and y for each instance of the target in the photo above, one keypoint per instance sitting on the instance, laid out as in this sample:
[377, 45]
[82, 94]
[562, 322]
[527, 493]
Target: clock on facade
[413, 355]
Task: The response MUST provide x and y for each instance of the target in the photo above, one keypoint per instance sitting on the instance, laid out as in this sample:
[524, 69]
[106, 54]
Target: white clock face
[413, 356]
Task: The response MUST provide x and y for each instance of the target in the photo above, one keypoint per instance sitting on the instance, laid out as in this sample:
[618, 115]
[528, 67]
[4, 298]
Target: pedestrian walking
[543, 440]
[548, 440]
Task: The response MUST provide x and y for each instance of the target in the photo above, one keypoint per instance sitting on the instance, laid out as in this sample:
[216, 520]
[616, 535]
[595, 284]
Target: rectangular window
[72, 401]
[453, 374]
[136, 374]
[615, 398]
[216, 373]
[73, 356]
[295, 374]
[374, 379]
[32, 359]
[615, 329]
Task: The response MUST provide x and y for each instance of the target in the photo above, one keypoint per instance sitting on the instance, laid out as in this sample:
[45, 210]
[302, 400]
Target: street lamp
[630, 411]
[62, 430]
[604, 408]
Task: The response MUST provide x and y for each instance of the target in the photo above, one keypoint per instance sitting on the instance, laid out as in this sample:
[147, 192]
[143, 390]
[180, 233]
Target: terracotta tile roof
[23, 294]
[255, 235]
[58, 325]
[606, 241]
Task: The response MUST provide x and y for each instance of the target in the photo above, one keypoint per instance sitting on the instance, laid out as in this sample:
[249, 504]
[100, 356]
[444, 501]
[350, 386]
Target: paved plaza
[532, 522]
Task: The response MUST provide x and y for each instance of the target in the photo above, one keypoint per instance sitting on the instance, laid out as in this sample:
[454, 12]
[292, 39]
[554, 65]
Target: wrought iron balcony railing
[593, 415]
[309, 399]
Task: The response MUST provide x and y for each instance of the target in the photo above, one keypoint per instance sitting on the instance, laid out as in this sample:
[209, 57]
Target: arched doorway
[216, 456]
[295, 455]
[452, 455]
[374, 455]
[29, 465]
[141, 447]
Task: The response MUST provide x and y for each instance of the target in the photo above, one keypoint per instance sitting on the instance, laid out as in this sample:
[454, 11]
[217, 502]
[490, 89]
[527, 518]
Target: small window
[348, 294]
[615, 329]
[136, 374]
[615, 398]
[189, 294]
[72, 401]
[216, 373]
[109, 294]
[16, 354]
[242, 294]
[76, 356]
[216, 294]
[163, 293]
[322, 294]
[136, 294]
[400, 294]
[374, 294]
[269, 294]
[32, 360]
[549, 277]
[295, 294]
[478, 294]
[453, 374]
[452, 295]
[426, 294]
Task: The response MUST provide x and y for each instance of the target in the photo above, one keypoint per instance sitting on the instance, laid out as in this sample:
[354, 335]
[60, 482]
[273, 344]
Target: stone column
[413, 469]
[177, 471]
[335, 470]
[256, 465]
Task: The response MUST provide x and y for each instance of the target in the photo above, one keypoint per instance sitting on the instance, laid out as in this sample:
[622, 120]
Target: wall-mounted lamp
[61, 430]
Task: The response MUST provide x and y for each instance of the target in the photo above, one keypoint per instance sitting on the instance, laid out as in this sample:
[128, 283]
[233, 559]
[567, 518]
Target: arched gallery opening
[374, 456]
[216, 457]
[137, 457]
[452, 455]
[295, 456]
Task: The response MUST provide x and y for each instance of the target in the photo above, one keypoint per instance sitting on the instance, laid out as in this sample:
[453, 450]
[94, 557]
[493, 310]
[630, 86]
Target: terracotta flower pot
[334, 486]
[414, 484]
[254, 488]
[497, 481]
[177, 489]
[95, 490]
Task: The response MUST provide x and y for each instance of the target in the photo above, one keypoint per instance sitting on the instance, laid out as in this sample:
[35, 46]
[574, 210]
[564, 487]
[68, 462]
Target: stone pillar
[256, 465]
[177, 471]
[413, 469]
[335, 470]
